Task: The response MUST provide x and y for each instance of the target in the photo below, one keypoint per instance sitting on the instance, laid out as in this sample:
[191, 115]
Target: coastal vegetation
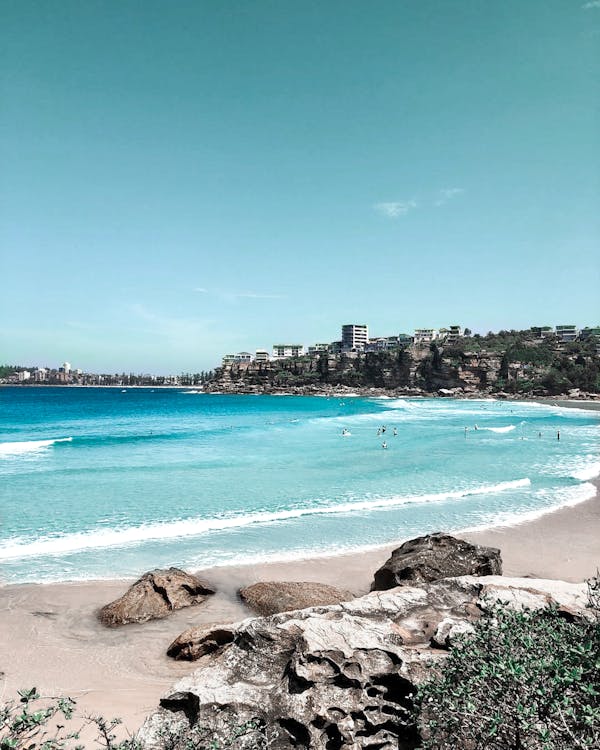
[522, 679]
[519, 679]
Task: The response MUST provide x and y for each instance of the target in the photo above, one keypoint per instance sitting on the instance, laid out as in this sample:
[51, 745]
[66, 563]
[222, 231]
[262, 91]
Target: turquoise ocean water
[100, 483]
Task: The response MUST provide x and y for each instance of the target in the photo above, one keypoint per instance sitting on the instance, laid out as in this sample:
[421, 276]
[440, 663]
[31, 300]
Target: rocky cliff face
[514, 360]
[338, 676]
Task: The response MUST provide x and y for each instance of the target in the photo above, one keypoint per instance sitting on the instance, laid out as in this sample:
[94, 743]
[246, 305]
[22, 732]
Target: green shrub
[36, 723]
[522, 680]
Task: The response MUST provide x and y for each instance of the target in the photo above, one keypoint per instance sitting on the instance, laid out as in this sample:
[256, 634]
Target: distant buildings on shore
[67, 375]
[355, 339]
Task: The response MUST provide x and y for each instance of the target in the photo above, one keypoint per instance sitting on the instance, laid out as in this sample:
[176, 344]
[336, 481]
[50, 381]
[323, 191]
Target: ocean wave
[499, 430]
[104, 538]
[587, 472]
[570, 497]
[29, 446]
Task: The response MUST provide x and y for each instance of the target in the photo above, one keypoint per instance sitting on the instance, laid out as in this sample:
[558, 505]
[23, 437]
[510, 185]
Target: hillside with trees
[511, 362]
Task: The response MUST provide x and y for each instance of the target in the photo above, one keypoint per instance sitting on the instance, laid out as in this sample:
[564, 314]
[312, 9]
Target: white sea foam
[587, 472]
[499, 430]
[569, 497]
[29, 446]
[104, 538]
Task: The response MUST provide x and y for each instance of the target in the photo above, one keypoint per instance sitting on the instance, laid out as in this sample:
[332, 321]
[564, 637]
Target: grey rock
[435, 556]
[448, 630]
[155, 595]
[272, 597]
[200, 640]
[337, 676]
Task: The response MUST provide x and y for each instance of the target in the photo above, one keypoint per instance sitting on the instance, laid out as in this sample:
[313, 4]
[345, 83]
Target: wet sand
[50, 637]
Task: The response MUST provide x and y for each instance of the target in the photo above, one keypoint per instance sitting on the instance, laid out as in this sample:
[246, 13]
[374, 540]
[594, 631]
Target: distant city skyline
[182, 180]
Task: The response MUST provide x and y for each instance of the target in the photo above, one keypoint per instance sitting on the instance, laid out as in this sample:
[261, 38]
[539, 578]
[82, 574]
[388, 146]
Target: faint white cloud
[447, 194]
[231, 296]
[591, 4]
[257, 295]
[394, 209]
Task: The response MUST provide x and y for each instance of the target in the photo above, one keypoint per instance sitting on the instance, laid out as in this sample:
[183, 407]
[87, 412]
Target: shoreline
[50, 636]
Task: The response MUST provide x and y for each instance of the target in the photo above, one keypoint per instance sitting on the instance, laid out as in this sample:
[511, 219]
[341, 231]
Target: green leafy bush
[36, 723]
[522, 680]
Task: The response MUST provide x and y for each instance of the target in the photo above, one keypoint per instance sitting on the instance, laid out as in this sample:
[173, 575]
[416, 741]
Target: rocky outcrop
[341, 676]
[435, 556]
[272, 597]
[155, 595]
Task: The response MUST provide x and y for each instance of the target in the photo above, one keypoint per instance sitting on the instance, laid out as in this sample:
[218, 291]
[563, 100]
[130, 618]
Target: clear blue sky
[184, 179]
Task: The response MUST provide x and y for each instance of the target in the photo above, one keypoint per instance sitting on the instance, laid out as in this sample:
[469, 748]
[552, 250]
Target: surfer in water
[384, 445]
[395, 432]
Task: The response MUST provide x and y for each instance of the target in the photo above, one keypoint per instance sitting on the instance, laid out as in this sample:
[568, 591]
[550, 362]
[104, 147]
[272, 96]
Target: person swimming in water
[395, 432]
[384, 444]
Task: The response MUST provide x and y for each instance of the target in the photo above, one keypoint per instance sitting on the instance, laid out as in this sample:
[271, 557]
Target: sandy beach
[50, 637]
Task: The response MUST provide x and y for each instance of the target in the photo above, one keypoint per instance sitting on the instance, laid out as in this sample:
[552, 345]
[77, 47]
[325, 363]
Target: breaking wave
[587, 472]
[105, 538]
[29, 446]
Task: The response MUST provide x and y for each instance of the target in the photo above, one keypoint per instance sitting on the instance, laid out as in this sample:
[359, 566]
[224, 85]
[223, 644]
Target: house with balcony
[425, 335]
[567, 333]
[318, 349]
[282, 351]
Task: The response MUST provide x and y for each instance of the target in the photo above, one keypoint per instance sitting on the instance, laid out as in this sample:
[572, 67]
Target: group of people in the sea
[380, 431]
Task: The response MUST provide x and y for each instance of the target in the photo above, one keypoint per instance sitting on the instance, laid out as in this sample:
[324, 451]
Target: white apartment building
[355, 337]
[23, 375]
[261, 355]
[567, 333]
[243, 357]
[281, 351]
[425, 335]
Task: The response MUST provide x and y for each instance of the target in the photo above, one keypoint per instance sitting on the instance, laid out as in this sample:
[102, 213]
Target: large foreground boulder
[155, 595]
[324, 677]
[433, 557]
[272, 597]
[341, 676]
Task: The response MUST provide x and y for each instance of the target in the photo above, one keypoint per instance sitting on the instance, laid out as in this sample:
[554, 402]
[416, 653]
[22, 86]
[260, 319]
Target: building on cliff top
[281, 351]
[355, 337]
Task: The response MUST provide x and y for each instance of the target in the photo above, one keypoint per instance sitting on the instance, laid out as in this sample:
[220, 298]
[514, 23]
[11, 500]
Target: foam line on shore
[105, 538]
